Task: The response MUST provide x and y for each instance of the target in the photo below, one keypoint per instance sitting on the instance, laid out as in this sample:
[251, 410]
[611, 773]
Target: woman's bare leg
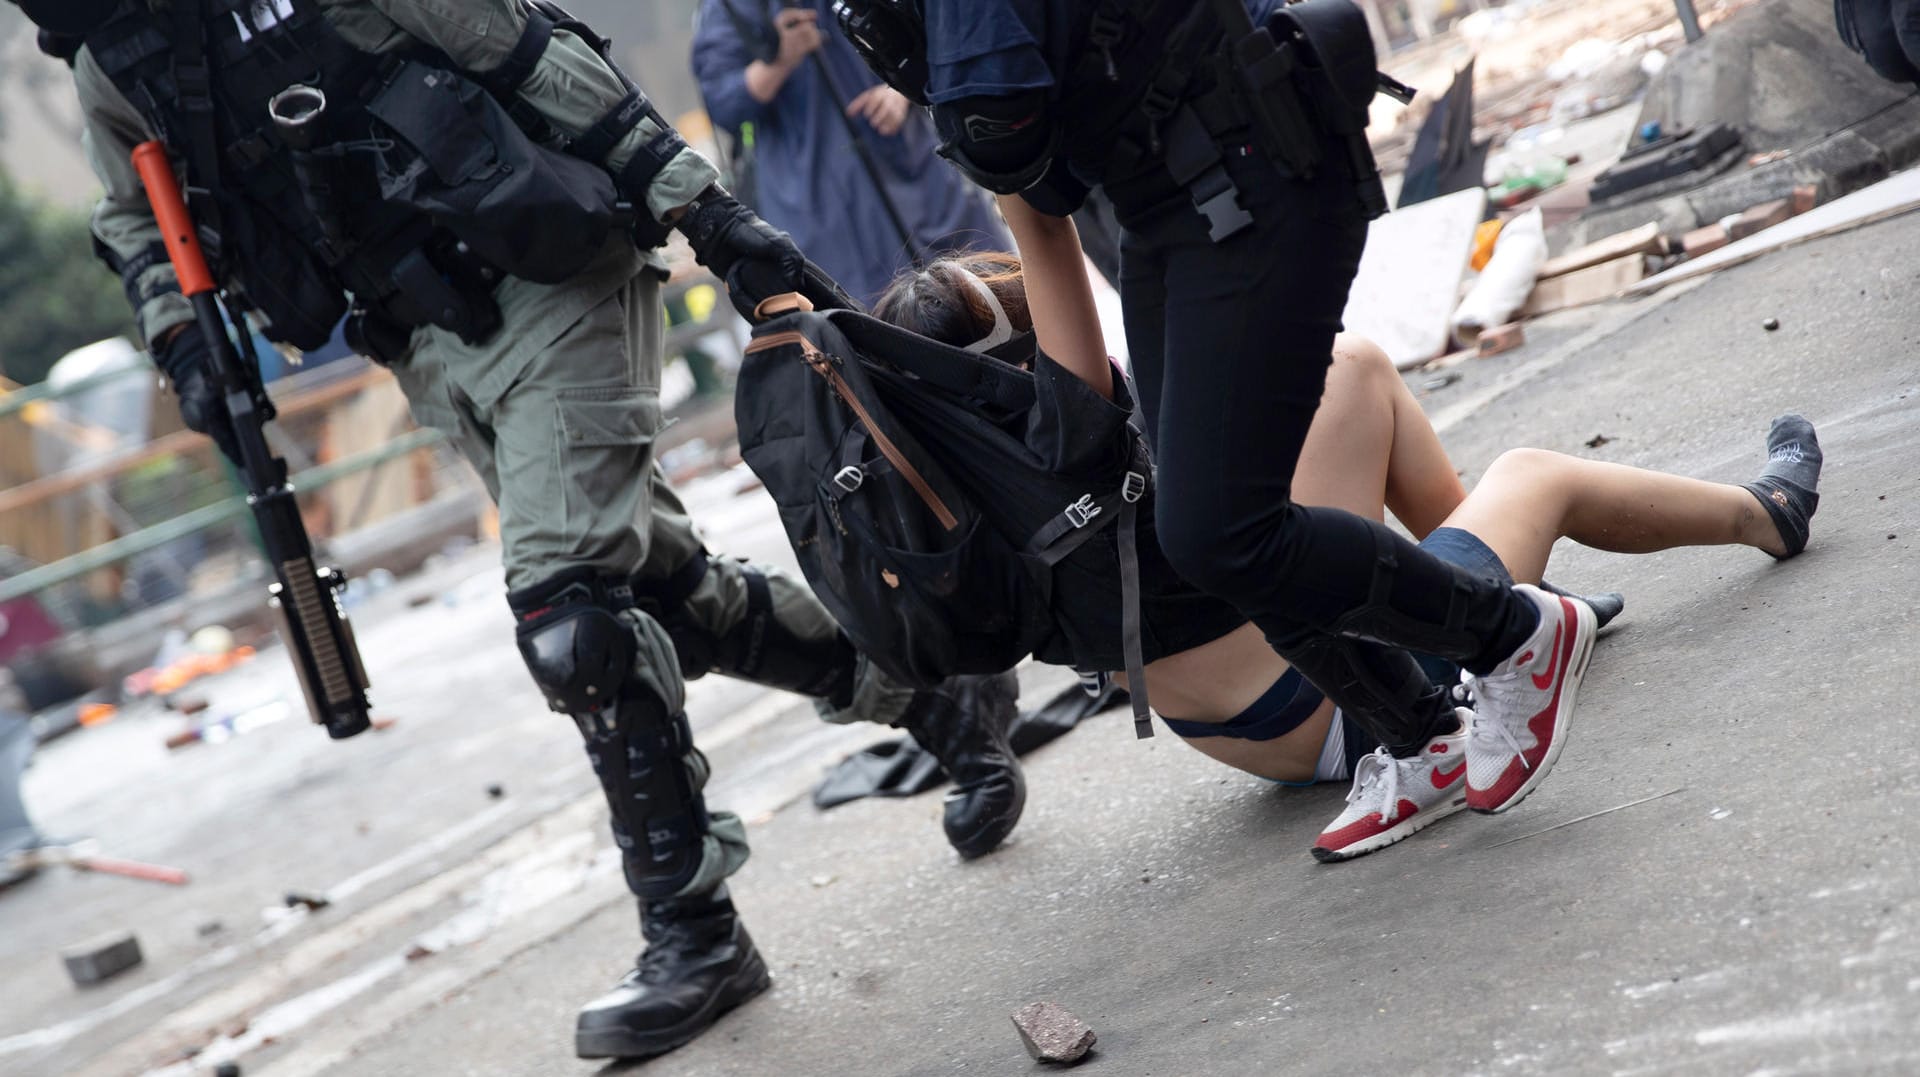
[1371, 448]
[1531, 497]
[1422, 485]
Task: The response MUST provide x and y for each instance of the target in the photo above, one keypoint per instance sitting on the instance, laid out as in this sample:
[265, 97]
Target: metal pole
[861, 151]
[1689, 19]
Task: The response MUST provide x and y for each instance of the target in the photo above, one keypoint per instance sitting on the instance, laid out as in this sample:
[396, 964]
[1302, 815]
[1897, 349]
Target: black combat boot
[699, 963]
[964, 724]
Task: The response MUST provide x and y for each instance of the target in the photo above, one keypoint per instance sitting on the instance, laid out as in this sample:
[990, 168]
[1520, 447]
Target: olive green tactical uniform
[558, 410]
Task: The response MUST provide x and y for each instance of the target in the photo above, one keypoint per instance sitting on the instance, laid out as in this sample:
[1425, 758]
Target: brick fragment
[102, 958]
[1712, 237]
[1501, 338]
[1051, 1033]
[1805, 197]
[1755, 218]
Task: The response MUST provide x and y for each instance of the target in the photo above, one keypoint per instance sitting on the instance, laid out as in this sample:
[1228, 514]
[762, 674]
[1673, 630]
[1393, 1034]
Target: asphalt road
[1759, 919]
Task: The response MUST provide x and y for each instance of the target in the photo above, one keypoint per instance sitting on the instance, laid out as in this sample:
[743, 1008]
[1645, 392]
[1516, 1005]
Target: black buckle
[1158, 103]
[193, 86]
[1218, 200]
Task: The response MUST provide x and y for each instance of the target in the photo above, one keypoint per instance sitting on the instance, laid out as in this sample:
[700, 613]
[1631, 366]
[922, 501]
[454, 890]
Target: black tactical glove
[183, 359]
[755, 259]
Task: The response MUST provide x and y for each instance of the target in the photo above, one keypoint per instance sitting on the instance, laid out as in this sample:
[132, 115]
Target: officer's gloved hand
[183, 359]
[755, 259]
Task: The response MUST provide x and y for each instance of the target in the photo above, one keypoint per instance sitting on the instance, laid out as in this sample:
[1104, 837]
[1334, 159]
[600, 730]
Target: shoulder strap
[193, 89]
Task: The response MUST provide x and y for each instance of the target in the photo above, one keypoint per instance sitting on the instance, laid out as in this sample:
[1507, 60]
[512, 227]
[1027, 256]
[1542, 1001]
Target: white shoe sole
[1406, 828]
[1586, 628]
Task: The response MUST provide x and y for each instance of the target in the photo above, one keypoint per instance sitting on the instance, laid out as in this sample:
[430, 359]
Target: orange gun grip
[170, 212]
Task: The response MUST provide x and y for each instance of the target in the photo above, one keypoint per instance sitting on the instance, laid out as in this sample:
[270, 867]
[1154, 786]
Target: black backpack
[921, 516]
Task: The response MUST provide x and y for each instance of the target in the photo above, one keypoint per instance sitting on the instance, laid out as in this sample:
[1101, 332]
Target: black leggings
[1230, 346]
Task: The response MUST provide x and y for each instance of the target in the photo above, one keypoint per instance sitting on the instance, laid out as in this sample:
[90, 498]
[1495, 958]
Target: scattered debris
[1645, 239]
[1503, 287]
[1710, 237]
[295, 899]
[182, 660]
[495, 790]
[1051, 1033]
[1757, 218]
[227, 1069]
[381, 722]
[103, 958]
[1804, 197]
[93, 714]
[210, 928]
[1597, 440]
[83, 856]
[1502, 338]
[229, 726]
[419, 951]
[1409, 277]
[1589, 285]
[1770, 324]
[1589, 815]
[1439, 381]
[822, 881]
[186, 704]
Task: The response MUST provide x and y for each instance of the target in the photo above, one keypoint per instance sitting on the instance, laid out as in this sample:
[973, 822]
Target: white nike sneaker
[1392, 798]
[1522, 709]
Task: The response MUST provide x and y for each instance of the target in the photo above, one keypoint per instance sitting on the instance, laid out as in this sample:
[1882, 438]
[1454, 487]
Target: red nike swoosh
[1544, 681]
[1443, 778]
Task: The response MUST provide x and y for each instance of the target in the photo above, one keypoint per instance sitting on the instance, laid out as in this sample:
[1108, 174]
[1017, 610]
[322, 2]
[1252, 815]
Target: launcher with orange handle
[316, 630]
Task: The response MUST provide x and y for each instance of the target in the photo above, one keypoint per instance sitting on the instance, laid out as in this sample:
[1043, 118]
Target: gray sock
[1789, 488]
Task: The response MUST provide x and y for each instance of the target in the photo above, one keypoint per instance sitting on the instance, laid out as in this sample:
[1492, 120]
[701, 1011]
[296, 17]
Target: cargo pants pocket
[606, 453]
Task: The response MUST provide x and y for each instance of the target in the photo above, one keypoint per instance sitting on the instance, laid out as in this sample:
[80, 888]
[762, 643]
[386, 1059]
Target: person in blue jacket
[782, 68]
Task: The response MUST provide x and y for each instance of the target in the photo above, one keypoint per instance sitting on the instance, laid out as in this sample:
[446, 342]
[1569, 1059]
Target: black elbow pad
[1004, 144]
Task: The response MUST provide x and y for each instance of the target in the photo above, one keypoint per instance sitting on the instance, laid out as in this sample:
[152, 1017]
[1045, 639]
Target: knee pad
[611, 667]
[761, 646]
[573, 640]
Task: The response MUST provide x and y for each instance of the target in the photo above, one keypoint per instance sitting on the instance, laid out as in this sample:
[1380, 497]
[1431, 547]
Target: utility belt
[1293, 91]
[438, 281]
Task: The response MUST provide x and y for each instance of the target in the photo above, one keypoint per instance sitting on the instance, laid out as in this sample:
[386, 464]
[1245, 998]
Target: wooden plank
[1642, 240]
[1589, 285]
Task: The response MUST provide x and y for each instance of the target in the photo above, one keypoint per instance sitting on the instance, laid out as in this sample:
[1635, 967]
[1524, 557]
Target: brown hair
[937, 301]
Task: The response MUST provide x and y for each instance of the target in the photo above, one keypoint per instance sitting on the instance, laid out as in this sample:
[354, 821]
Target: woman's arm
[1059, 295]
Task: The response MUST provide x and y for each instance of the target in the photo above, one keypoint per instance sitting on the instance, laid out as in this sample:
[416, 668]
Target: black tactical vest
[412, 193]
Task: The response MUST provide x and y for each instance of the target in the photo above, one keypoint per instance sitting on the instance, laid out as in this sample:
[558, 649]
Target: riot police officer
[1230, 136]
[479, 191]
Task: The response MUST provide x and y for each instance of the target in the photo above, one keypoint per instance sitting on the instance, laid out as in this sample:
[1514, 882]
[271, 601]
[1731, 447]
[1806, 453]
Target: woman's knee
[1526, 465]
[1361, 357]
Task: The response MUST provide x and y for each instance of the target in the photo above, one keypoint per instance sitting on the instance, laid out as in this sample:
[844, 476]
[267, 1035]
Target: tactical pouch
[283, 279]
[458, 156]
[1336, 73]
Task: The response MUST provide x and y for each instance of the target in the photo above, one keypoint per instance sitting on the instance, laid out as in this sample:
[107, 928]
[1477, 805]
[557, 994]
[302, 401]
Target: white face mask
[1002, 330]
